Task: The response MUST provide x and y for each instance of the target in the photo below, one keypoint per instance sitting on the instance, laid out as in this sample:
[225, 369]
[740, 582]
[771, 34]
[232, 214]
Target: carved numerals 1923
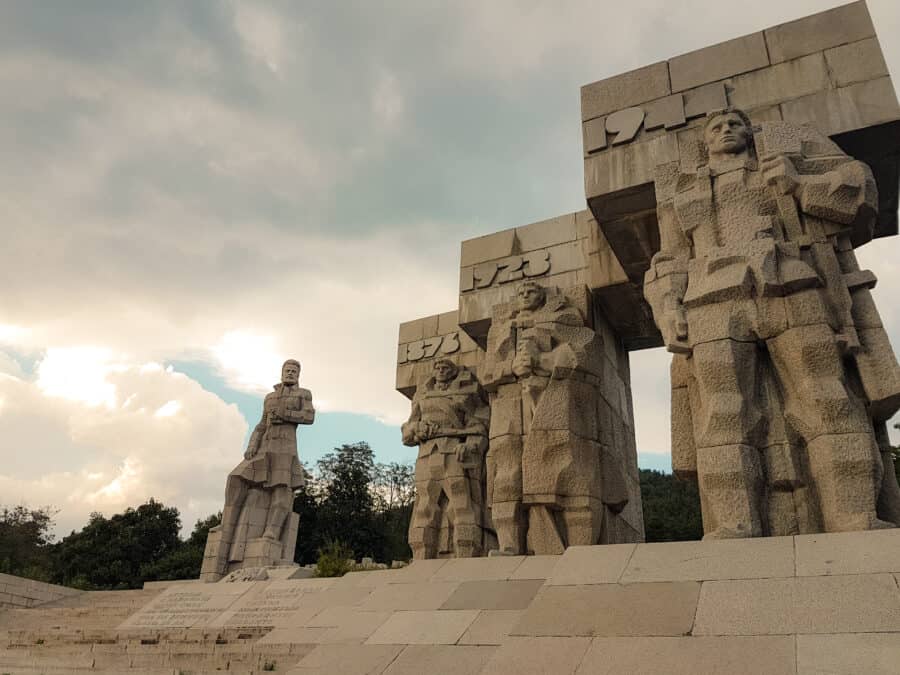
[429, 348]
[514, 268]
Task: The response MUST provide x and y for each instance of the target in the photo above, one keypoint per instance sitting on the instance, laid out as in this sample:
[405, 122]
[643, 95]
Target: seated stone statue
[783, 377]
[258, 527]
[448, 422]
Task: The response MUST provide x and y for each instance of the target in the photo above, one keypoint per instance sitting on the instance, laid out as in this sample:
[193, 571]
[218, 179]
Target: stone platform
[793, 605]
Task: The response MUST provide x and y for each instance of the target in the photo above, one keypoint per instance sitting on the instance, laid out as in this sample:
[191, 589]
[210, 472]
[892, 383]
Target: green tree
[109, 553]
[183, 562]
[671, 507]
[26, 541]
[395, 492]
[346, 511]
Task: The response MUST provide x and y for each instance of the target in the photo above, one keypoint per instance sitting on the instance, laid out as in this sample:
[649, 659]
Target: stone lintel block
[508, 594]
[718, 62]
[625, 90]
[846, 109]
[612, 610]
[450, 659]
[488, 247]
[839, 604]
[348, 659]
[591, 565]
[410, 331]
[745, 655]
[867, 552]
[870, 653]
[624, 170]
[833, 27]
[477, 569]
[856, 62]
[546, 233]
[537, 656]
[700, 100]
[703, 560]
[448, 322]
[421, 595]
[442, 627]
[772, 85]
[491, 627]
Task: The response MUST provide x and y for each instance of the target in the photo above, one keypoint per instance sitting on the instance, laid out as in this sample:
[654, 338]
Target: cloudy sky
[193, 191]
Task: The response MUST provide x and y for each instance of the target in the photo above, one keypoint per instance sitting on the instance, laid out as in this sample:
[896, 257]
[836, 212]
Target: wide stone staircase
[803, 605]
[80, 634]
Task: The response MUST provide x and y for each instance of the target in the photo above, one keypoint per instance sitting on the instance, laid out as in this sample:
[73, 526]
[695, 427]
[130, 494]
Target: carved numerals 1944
[429, 348]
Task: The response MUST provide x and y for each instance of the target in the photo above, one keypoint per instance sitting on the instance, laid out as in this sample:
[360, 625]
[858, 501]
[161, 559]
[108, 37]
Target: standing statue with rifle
[449, 423]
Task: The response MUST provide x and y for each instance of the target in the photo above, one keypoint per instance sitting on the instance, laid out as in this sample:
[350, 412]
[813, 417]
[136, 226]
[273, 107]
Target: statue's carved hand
[779, 172]
[249, 452]
[675, 332]
[425, 430]
[275, 418]
[522, 365]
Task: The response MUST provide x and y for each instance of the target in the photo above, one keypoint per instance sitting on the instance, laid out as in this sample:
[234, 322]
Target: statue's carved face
[444, 371]
[290, 373]
[727, 134]
[531, 296]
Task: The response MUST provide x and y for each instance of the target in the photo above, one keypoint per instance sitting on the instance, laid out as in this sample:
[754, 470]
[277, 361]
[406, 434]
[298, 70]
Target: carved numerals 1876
[429, 348]
[514, 268]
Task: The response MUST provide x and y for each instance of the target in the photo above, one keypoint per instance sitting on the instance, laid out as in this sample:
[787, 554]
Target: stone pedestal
[258, 552]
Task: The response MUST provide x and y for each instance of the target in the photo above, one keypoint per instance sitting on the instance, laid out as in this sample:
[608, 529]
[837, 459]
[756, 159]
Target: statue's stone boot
[731, 485]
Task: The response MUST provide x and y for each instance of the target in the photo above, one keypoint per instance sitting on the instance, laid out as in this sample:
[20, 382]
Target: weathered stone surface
[856, 62]
[537, 656]
[442, 627]
[848, 553]
[536, 567]
[847, 23]
[550, 483]
[800, 77]
[348, 659]
[839, 604]
[488, 247]
[444, 659]
[493, 595]
[347, 624]
[491, 627]
[581, 565]
[449, 422]
[744, 310]
[500, 567]
[423, 595]
[847, 108]
[622, 91]
[701, 561]
[870, 653]
[612, 610]
[751, 655]
[258, 526]
[193, 606]
[718, 62]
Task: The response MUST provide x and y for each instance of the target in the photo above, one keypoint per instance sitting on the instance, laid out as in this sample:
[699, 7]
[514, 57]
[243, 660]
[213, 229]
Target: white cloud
[80, 457]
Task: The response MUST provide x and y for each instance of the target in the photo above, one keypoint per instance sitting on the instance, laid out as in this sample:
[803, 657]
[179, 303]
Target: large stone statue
[783, 376]
[549, 478]
[258, 526]
[449, 423]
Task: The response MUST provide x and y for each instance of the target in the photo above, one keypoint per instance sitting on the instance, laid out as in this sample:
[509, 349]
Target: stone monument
[548, 473]
[259, 528]
[449, 423]
[782, 357]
